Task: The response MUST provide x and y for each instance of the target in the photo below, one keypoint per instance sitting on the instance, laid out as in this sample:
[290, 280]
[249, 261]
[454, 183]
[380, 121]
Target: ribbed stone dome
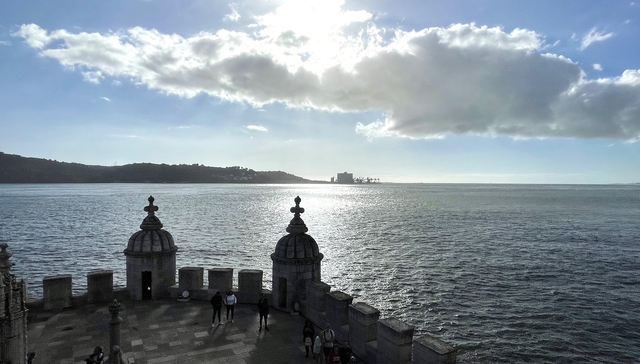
[297, 245]
[151, 239]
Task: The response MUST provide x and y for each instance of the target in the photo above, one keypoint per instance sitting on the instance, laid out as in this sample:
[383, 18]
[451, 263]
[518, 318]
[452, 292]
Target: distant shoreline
[18, 169]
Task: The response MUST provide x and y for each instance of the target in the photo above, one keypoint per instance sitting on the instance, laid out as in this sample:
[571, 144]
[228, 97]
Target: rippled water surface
[508, 273]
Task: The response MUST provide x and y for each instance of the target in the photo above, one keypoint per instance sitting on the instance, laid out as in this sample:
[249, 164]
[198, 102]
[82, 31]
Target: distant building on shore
[345, 178]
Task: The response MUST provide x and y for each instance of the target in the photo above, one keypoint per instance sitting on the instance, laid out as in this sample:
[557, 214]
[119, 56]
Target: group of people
[324, 346]
[229, 300]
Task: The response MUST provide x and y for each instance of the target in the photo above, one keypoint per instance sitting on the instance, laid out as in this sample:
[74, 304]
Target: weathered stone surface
[190, 278]
[221, 279]
[100, 286]
[431, 350]
[363, 327]
[57, 292]
[315, 309]
[337, 305]
[249, 285]
[395, 339]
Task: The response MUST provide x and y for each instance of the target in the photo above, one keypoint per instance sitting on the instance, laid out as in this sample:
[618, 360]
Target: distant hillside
[18, 169]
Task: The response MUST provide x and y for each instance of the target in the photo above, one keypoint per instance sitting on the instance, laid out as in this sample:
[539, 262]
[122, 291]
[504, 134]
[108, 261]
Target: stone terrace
[167, 331]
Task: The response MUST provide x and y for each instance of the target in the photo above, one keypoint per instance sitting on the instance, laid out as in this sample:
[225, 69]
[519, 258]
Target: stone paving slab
[167, 331]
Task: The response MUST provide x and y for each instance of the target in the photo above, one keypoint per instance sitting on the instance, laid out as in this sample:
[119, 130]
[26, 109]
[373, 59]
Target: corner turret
[296, 261]
[151, 258]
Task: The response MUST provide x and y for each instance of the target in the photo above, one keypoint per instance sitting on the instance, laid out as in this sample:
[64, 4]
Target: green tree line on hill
[18, 169]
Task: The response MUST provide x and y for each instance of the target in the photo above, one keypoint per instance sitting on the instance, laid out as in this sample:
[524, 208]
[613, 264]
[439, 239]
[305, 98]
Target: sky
[451, 91]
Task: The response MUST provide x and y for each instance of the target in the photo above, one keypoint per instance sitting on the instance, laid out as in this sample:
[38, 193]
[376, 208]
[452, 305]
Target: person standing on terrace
[216, 303]
[230, 302]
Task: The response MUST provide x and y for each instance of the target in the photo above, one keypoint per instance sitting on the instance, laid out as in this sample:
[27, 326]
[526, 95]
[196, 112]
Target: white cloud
[594, 36]
[597, 66]
[256, 127]
[5, 42]
[35, 36]
[105, 99]
[462, 79]
[234, 16]
[92, 76]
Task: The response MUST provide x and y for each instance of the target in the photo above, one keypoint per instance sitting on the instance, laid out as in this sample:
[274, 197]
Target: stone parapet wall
[372, 339]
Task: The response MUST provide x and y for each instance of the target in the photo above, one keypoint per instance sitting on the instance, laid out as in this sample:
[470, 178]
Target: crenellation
[56, 291]
[337, 307]
[363, 327]
[221, 279]
[429, 349]
[100, 286]
[191, 278]
[395, 340]
[249, 285]
[315, 303]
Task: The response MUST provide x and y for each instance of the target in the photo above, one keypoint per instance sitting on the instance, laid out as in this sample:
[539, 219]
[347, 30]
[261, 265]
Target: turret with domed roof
[296, 261]
[151, 259]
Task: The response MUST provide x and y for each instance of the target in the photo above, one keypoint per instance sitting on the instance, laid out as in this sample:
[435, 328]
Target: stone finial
[297, 226]
[151, 209]
[151, 222]
[5, 264]
[115, 307]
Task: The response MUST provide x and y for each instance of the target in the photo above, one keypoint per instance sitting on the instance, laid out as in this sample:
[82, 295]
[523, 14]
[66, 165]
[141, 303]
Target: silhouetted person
[307, 336]
[216, 303]
[345, 354]
[96, 357]
[263, 308]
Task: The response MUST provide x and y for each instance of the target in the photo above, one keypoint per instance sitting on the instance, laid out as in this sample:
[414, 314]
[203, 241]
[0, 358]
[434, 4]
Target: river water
[507, 273]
